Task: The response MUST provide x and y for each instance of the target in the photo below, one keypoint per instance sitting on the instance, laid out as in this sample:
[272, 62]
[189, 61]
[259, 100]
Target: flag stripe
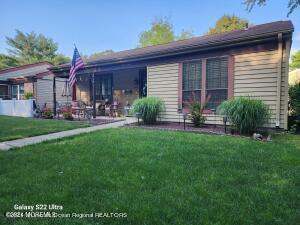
[77, 63]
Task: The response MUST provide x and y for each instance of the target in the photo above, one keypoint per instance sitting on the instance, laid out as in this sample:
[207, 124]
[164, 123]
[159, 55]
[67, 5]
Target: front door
[103, 87]
[143, 83]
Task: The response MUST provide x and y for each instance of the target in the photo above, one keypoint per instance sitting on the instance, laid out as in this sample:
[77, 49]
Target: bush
[294, 107]
[47, 113]
[245, 113]
[149, 108]
[28, 95]
[196, 114]
[67, 113]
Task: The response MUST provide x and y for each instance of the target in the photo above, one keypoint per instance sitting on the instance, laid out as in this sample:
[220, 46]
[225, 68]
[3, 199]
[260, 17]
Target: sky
[97, 25]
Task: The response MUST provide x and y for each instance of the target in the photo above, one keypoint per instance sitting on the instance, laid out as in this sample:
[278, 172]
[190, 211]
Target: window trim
[230, 86]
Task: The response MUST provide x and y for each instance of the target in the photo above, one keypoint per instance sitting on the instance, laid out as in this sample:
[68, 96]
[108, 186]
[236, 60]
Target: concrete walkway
[7, 145]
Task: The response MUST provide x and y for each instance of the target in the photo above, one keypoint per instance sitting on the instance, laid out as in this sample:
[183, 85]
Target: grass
[19, 127]
[156, 177]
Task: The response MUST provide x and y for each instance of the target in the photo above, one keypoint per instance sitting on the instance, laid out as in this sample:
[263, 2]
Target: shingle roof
[202, 41]
[29, 70]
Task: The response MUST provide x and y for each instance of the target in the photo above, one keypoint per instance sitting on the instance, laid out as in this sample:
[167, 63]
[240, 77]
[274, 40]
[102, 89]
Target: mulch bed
[212, 129]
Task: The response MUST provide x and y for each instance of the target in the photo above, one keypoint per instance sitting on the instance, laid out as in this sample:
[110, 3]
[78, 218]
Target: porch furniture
[107, 110]
[114, 109]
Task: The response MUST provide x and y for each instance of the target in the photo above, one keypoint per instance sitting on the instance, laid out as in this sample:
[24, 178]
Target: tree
[29, 48]
[106, 52]
[185, 34]
[295, 61]
[228, 23]
[292, 4]
[7, 61]
[161, 32]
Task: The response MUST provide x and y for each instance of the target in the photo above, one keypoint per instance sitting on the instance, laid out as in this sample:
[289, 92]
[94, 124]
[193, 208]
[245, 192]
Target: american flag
[77, 63]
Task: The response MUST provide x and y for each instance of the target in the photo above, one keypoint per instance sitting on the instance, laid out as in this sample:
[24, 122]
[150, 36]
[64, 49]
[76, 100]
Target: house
[247, 62]
[34, 78]
[294, 77]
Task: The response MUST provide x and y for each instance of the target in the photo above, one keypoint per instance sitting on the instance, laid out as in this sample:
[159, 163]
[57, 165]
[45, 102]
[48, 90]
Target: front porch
[109, 93]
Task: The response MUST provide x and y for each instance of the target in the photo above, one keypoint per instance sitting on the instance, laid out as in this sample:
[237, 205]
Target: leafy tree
[7, 61]
[292, 4]
[185, 34]
[228, 23]
[106, 52]
[161, 32]
[28, 48]
[295, 61]
[60, 59]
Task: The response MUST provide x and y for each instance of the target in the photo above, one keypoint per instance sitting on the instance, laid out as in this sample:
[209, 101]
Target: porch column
[54, 95]
[94, 95]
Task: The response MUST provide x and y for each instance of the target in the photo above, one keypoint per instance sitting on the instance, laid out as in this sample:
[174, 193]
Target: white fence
[23, 108]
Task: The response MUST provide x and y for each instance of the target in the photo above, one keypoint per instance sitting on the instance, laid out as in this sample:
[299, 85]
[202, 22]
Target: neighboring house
[294, 77]
[33, 78]
[248, 62]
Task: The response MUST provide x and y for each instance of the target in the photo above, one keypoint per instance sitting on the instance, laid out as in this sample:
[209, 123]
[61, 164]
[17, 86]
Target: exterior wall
[255, 74]
[163, 82]
[28, 87]
[44, 91]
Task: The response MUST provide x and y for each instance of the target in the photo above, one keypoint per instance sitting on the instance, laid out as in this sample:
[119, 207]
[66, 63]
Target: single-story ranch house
[34, 78]
[248, 62]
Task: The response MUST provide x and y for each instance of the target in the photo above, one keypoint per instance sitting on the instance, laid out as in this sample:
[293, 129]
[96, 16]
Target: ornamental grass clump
[245, 113]
[149, 108]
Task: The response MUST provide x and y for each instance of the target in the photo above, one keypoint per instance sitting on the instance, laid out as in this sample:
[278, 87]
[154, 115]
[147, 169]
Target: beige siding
[255, 74]
[44, 88]
[163, 83]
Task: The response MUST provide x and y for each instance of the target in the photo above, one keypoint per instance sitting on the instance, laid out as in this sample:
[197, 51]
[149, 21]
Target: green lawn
[157, 177]
[18, 127]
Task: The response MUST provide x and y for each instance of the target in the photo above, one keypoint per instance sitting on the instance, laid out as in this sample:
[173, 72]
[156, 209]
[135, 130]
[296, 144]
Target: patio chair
[108, 111]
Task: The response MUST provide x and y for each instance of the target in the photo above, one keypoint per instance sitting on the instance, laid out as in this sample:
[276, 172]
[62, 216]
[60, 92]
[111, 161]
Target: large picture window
[191, 81]
[216, 81]
[215, 85]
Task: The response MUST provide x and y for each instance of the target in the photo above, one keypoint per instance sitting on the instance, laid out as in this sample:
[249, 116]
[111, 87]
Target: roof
[25, 71]
[196, 42]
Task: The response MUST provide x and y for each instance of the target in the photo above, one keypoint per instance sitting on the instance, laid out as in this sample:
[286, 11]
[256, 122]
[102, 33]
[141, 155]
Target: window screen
[191, 81]
[216, 81]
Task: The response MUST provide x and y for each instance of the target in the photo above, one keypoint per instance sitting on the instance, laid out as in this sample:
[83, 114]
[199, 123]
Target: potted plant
[47, 113]
[67, 113]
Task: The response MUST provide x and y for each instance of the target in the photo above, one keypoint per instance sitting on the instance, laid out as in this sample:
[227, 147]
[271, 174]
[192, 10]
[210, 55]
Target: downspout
[279, 75]
[286, 82]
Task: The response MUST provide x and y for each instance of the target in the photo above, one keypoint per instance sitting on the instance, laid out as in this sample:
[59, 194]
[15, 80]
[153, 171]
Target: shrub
[28, 95]
[47, 113]
[149, 108]
[196, 110]
[67, 113]
[245, 113]
[196, 114]
[294, 107]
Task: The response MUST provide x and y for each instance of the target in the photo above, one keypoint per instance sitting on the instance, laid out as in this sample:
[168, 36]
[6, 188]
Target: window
[191, 81]
[103, 86]
[216, 81]
[17, 91]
